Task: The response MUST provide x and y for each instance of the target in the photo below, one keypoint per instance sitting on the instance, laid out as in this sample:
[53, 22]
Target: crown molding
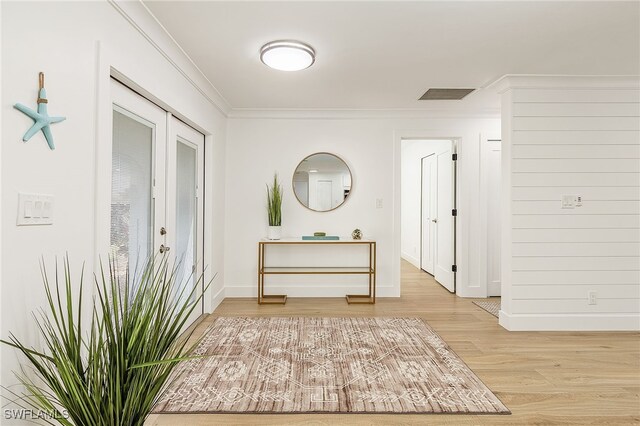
[530, 81]
[142, 20]
[356, 114]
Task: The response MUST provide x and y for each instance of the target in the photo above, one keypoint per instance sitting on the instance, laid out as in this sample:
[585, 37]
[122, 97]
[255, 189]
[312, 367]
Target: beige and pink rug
[325, 365]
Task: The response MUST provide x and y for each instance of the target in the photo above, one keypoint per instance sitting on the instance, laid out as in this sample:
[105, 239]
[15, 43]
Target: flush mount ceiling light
[287, 55]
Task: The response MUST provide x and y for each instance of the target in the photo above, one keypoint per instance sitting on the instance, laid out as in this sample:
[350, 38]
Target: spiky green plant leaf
[274, 202]
[113, 374]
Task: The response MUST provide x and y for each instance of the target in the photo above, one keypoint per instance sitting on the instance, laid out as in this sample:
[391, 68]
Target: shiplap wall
[572, 139]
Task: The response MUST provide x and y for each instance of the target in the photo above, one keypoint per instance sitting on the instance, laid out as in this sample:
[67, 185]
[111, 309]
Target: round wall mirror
[322, 182]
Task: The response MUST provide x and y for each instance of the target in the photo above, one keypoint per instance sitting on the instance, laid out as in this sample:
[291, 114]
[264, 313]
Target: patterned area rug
[325, 365]
[490, 305]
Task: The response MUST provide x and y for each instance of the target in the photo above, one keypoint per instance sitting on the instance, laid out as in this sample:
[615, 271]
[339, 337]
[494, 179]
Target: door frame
[399, 137]
[103, 180]
[113, 62]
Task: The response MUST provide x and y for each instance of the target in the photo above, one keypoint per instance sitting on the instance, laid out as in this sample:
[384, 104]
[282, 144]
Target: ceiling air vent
[445, 94]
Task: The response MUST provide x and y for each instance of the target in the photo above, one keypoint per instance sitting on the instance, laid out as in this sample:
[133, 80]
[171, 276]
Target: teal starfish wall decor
[41, 118]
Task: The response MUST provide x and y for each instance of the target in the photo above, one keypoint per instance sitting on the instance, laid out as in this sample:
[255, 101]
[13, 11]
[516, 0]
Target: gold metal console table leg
[266, 299]
[369, 298]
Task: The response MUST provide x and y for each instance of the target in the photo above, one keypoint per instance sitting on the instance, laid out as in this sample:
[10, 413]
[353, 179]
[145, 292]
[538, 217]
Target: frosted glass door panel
[131, 192]
[185, 210]
[186, 216]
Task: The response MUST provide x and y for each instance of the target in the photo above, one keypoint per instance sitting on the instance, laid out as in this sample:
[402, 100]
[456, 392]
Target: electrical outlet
[593, 299]
[568, 201]
[378, 203]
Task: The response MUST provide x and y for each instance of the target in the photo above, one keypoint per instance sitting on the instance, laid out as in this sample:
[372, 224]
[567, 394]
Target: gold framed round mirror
[322, 182]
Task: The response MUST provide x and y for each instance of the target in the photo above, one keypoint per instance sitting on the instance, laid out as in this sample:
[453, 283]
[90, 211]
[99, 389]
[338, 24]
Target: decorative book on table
[320, 237]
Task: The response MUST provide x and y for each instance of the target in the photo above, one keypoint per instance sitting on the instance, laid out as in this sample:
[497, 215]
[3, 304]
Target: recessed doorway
[428, 207]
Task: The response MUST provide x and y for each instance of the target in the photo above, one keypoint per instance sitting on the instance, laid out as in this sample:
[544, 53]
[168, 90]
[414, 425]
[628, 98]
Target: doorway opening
[428, 207]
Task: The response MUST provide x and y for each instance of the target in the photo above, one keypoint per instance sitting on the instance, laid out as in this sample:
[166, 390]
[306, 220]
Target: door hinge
[454, 212]
[454, 157]
[454, 268]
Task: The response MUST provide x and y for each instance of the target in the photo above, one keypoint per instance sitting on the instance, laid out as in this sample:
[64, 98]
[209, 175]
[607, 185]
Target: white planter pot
[274, 232]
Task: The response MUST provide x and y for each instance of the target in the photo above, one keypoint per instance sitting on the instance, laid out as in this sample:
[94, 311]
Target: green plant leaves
[274, 202]
[113, 373]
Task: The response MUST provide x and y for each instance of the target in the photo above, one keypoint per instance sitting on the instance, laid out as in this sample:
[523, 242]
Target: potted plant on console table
[274, 209]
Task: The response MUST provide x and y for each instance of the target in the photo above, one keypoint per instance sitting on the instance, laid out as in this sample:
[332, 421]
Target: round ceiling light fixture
[287, 55]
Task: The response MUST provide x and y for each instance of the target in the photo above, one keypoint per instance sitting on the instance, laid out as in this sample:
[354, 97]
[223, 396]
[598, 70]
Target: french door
[157, 175]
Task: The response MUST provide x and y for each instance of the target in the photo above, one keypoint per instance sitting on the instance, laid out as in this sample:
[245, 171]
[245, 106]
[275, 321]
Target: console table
[264, 270]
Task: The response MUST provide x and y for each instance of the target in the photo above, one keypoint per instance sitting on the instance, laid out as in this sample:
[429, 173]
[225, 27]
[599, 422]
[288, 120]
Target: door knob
[163, 231]
[435, 221]
[164, 248]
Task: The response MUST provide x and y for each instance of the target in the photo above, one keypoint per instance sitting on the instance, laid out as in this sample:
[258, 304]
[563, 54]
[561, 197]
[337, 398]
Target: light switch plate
[35, 209]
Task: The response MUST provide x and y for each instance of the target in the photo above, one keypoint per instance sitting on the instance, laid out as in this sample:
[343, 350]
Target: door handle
[434, 220]
[164, 248]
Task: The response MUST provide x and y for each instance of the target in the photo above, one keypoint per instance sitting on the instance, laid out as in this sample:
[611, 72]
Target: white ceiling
[386, 54]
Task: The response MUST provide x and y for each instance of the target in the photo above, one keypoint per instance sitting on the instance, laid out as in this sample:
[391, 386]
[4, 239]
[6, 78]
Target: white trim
[251, 291]
[210, 238]
[591, 82]
[143, 21]
[462, 247]
[357, 114]
[569, 322]
[411, 259]
[102, 151]
[215, 301]
[505, 204]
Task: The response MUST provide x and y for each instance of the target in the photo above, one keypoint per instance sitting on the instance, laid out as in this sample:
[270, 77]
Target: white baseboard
[570, 322]
[310, 291]
[474, 292]
[411, 259]
[217, 299]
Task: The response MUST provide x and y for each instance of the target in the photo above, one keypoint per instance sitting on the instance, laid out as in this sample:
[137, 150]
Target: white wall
[371, 148]
[571, 136]
[413, 151]
[74, 43]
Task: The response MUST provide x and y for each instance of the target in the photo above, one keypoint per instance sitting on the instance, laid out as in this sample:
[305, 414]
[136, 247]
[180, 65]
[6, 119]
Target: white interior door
[185, 208]
[428, 213]
[324, 194]
[137, 179]
[445, 226]
[493, 216]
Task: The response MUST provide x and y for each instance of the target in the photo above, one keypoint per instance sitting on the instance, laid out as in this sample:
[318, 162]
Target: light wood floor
[542, 377]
